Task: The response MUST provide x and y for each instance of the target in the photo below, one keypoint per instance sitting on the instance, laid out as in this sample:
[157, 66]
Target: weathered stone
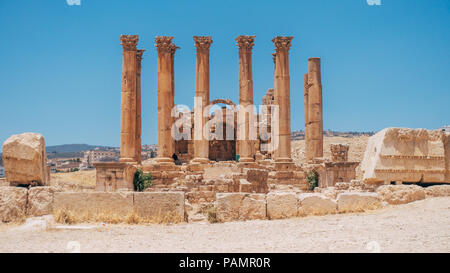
[129, 130]
[258, 178]
[159, 205]
[436, 191]
[357, 201]
[85, 204]
[245, 186]
[114, 176]
[342, 185]
[400, 194]
[407, 155]
[313, 110]
[339, 152]
[282, 98]
[315, 204]
[281, 205]
[165, 97]
[240, 206]
[25, 160]
[40, 200]
[201, 144]
[13, 202]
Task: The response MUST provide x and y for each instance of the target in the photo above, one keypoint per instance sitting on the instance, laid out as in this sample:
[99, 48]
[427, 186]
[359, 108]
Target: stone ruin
[407, 155]
[25, 160]
[256, 170]
[252, 187]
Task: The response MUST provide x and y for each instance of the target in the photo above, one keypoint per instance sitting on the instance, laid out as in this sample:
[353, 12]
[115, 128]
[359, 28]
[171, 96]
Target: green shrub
[142, 181]
[212, 215]
[313, 179]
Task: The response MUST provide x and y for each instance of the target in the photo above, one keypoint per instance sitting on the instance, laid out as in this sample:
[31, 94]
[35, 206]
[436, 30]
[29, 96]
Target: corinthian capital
[129, 42]
[164, 44]
[203, 42]
[282, 43]
[245, 42]
[173, 48]
[139, 53]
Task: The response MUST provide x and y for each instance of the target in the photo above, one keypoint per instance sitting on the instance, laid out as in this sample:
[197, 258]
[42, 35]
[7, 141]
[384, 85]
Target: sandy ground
[422, 226]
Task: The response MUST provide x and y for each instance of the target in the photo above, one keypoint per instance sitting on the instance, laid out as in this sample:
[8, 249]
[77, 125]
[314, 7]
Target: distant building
[2, 171]
[445, 128]
[93, 156]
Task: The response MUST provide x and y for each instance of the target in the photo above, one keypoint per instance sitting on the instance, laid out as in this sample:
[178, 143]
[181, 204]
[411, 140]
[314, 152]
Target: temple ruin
[244, 162]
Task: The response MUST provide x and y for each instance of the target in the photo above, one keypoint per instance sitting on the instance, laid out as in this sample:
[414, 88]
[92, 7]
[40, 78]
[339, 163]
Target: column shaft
[201, 144]
[308, 154]
[138, 108]
[282, 98]
[165, 98]
[128, 100]
[246, 145]
[315, 117]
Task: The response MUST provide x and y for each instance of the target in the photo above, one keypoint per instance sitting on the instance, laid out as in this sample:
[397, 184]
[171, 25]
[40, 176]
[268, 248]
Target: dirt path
[422, 226]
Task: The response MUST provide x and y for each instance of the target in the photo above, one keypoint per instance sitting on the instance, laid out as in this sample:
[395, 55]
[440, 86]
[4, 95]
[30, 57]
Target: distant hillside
[71, 150]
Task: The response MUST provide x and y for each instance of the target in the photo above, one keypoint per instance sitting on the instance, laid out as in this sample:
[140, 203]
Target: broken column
[201, 143]
[138, 107]
[313, 111]
[128, 146]
[282, 98]
[165, 94]
[245, 44]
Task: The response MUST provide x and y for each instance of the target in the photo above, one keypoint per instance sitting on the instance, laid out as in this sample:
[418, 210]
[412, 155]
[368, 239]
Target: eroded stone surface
[281, 205]
[40, 200]
[437, 191]
[358, 201]
[400, 194]
[25, 160]
[240, 206]
[407, 155]
[160, 205]
[315, 204]
[13, 202]
[118, 204]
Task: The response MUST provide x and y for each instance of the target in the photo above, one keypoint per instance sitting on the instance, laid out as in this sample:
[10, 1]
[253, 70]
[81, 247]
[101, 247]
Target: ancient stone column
[128, 133]
[315, 117]
[165, 100]
[282, 98]
[138, 107]
[306, 104]
[201, 143]
[246, 145]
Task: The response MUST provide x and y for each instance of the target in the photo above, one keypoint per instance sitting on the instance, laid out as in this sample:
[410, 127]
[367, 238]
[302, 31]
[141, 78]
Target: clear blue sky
[382, 66]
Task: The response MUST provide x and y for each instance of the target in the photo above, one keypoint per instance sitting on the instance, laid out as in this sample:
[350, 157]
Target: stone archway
[224, 150]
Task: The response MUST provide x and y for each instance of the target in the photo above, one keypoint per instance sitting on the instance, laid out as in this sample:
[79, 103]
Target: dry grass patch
[75, 181]
[64, 216]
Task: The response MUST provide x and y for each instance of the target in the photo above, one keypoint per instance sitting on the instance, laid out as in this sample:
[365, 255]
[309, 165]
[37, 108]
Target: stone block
[86, 204]
[240, 206]
[437, 191]
[40, 200]
[13, 202]
[160, 205]
[25, 160]
[281, 205]
[400, 194]
[357, 201]
[315, 204]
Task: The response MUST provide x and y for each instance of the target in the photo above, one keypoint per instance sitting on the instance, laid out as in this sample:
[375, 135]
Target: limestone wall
[407, 155]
